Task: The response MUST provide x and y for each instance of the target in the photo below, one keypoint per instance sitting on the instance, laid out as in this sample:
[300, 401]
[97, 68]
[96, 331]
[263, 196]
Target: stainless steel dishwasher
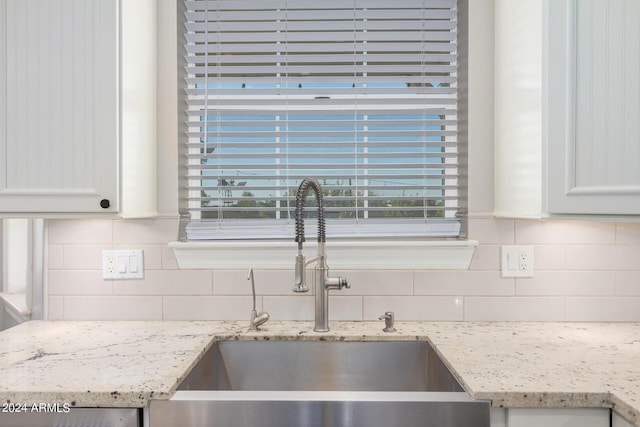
[75, 417]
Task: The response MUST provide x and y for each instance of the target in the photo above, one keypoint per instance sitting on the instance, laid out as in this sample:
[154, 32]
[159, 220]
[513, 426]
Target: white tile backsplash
[83, 257]
[267, 282]
[296, 307]
[534, 232]
[628, 233]
[172, 282]
[585, 271]
[55, 256]
[81, 232]
[514, 309]
[208, 307]
[152, 254]
[550, 257]
[624, 309]
[112, 308]
[486, 257]
[463, 283]
[78, 282]
[603, 257]
[628, 283]
[447, 308]
[567, 283]
[377, 282]
[55, 309]
[149, 231]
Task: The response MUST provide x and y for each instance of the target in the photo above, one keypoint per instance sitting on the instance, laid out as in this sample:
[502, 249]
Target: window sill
[405, 254]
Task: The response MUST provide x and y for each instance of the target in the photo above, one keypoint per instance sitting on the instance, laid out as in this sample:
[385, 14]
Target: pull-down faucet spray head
[301, 263]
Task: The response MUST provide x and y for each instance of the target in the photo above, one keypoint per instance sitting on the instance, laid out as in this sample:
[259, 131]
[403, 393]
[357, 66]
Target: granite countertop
[513, 364]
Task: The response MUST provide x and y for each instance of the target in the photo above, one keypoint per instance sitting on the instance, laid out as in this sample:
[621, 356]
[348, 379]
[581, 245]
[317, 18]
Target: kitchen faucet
[321, 281]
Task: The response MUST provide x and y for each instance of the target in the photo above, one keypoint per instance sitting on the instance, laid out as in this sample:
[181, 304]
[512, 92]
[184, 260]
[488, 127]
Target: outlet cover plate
[516, 261]
[123, 264]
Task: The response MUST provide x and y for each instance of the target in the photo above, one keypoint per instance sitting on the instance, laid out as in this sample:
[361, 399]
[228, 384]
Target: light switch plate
[516, 261]
[125, 264]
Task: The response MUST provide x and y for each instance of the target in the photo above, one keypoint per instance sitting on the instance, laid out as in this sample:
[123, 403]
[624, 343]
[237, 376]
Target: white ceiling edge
[400, 254]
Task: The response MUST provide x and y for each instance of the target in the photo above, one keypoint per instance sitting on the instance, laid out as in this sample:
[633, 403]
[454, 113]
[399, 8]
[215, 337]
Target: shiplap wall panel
[61, 130]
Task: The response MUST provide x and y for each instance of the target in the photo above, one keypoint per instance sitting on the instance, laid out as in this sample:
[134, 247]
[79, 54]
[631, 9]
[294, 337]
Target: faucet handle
[389, 319]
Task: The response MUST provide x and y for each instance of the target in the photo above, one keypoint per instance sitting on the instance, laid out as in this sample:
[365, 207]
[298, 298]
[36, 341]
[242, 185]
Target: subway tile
[55, 308]
[145, 231]
[267, 282]
[83, 257]
[562, 232]
[549, 257]
[341, 308]
[169, 261]
[377, 282]
[208, 308]
[556, 283]
[433, 308]
[112, 308]
[492, 231]
[167, 282]
[486, 257]
[513, 308]
[603, 309]
[151, 254]
[84, 231]
[607, 257]
[346, 308]
[55, 257]
[461, 283]
[628, 233]
[628, 283]
[78, 282]
[295, 307]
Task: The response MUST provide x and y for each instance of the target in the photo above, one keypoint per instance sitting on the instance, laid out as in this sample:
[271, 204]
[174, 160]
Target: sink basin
[321, 366]
[320, 383]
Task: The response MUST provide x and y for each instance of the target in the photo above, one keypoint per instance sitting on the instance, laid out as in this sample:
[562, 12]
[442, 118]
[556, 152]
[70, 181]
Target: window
[363, 95]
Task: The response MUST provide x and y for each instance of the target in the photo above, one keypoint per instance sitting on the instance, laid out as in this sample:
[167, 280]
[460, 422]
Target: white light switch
[133, 264]
[122, 264]
[125, 264]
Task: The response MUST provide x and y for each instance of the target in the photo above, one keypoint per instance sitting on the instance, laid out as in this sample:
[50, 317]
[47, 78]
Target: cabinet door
[565, 417]
[618, 421]
[593, 119]
[59, 118]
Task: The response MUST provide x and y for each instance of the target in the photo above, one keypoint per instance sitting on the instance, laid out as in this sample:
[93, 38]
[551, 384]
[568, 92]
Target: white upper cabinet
[567, 124]
[593, 115]
[77, 111]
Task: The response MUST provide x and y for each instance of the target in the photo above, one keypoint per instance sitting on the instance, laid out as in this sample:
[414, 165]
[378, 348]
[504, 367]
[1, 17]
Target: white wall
[585, 271]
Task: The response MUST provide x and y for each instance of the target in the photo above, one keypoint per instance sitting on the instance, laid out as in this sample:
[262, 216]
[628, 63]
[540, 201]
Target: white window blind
[361, 95]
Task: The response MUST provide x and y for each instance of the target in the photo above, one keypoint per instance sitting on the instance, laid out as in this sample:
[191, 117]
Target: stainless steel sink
[320, 383]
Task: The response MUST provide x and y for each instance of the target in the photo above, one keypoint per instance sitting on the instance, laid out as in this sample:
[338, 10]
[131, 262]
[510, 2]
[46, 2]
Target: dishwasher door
[76, 417]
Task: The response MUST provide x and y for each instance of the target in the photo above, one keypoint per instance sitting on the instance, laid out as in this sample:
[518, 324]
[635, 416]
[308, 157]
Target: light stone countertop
[514, 364]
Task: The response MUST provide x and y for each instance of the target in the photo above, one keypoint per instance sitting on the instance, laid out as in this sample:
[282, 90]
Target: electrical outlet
[516, 261]
[125, 264]
[110, 264]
